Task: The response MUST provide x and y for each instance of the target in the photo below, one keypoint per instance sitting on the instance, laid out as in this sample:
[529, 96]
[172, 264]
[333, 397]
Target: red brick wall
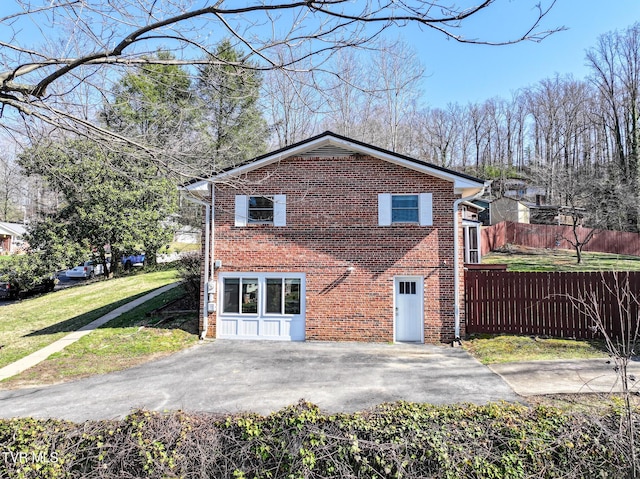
[332, 224]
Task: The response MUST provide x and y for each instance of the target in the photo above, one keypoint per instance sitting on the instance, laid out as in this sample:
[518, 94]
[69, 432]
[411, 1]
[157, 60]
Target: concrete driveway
[232, 376]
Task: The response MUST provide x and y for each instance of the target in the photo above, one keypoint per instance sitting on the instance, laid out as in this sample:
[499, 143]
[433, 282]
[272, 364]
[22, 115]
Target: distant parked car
[88, 269]
[133, 260]
[11, 289]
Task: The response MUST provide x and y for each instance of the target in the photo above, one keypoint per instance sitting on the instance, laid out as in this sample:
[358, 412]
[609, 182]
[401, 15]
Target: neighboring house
[540, 214]
[508, 209]
[483, 205]
[187, 234]
[333, 239]
[517, 189]
[520, 211]
[11, 237]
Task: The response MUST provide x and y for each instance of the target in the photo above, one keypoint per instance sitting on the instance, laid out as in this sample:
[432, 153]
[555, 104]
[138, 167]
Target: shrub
[399, 440]
[189, 267]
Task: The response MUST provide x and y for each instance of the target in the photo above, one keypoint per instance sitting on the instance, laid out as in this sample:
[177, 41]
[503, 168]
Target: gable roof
[334, 145]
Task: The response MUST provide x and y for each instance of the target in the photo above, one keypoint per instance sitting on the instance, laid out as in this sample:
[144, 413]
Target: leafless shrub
[620, 333]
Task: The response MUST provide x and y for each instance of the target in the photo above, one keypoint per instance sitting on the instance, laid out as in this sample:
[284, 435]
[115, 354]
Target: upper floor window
[260, 209]
[404, 209]
[271, 210]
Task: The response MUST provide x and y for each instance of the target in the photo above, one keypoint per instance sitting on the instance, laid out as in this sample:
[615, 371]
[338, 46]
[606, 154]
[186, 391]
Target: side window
[240, 295]
[283, 296]
[261, 210]
[405, 208]
[231, 299]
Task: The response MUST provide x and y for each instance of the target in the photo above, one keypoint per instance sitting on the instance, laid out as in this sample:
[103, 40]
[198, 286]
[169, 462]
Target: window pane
[249, 295]
[404, 201]
[404, 209]
[261, 216]
[231, 301]
[404, 216]
[260, 202]
[260, 209]
[473, 238]
[292, 296]
[274, 296]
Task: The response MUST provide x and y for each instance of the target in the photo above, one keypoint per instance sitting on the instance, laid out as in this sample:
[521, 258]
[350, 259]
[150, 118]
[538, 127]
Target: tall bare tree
[615, 65]
[397, 74]
[292, 104]
[11, 182]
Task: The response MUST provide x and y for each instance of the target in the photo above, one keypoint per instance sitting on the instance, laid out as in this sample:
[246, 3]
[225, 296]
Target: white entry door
[409, 309]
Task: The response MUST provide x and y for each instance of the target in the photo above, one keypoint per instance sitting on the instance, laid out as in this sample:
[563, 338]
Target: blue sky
[458, 73]
[463, 73]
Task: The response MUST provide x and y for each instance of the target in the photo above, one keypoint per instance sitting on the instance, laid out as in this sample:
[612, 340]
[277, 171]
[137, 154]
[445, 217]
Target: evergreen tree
[229, 89]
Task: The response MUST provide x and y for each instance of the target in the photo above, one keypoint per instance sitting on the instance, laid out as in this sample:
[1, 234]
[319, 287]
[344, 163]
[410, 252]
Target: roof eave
[463, 185]
[199, 188]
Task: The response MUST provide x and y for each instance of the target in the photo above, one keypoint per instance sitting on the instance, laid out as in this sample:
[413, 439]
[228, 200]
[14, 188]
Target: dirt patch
[180, 313]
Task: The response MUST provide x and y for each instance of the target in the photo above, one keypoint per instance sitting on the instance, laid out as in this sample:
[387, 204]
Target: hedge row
[396, 440]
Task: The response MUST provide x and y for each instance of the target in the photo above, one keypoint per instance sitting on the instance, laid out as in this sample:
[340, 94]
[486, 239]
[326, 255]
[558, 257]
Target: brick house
[333, 239]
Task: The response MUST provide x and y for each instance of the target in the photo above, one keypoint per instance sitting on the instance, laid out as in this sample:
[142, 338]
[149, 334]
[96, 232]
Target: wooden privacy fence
[547, 304]
[554, 237]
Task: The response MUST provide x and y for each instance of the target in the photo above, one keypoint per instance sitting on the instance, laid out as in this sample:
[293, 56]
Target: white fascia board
[13, 229]
[6, 230]
[466, 188]
[473, 205]
[197, 188]
[202, 185]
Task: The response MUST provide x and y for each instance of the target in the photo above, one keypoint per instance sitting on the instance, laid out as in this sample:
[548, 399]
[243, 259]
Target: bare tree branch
[79, 38]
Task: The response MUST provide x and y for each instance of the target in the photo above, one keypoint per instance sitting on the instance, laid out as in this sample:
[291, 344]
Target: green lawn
[33, 323]
[507, 348]
[135, 337]
[529, 259]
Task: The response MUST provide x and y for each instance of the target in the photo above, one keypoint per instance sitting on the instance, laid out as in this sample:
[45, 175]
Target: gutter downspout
[208, 270]
[456, 262]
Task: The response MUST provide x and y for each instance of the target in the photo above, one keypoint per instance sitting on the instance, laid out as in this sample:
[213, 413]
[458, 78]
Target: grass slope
[34, 323]
[141, 335]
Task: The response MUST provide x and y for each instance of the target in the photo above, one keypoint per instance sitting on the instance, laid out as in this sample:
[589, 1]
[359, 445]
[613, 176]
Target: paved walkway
[565, 376]
[42, 354]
